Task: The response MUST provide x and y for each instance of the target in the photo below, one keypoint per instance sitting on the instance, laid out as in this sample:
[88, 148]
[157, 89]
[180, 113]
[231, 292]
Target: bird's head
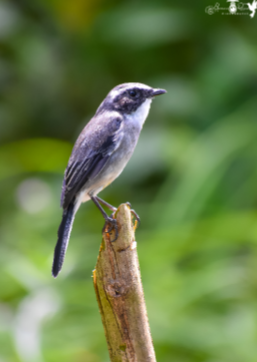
[127, 98]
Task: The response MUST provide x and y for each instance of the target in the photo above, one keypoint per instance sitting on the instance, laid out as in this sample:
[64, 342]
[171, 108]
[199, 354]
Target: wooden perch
[120, 295]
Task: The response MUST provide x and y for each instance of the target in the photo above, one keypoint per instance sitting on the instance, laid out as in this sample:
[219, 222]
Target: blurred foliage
[192, 178]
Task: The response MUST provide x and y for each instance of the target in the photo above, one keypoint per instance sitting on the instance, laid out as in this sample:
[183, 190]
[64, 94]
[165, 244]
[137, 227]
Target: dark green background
[192, 179]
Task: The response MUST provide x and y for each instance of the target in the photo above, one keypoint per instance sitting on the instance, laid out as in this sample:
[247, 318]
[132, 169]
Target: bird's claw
[112, 223]
[133, 212]
[136, 216]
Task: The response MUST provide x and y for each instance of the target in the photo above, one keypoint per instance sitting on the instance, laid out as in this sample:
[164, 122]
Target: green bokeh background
[192, 178]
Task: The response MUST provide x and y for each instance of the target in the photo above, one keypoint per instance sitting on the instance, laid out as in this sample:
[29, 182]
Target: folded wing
[90, 155]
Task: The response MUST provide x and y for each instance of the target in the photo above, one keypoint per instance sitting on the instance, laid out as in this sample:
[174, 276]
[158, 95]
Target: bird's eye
[133, 93]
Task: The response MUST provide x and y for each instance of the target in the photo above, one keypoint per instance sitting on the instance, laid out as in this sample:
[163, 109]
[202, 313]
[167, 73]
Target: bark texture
[120, 296]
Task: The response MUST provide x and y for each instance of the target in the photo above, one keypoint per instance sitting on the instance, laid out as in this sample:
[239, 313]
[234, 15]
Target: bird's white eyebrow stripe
[116, 92]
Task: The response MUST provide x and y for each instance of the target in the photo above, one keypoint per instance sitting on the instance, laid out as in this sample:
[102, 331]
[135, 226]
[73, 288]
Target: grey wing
[89, 157]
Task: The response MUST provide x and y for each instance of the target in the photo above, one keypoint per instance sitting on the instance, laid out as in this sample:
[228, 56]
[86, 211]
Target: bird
[100, 154]
[252, 7]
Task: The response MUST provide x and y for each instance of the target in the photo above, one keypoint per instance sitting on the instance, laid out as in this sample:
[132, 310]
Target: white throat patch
[139, 116]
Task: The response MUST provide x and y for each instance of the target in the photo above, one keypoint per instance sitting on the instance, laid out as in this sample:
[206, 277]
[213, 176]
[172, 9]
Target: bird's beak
[157, 92]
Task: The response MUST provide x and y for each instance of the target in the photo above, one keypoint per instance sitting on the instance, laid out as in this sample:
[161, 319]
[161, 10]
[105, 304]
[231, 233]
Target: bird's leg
[108, 219]
[114, 209]
[110, 207]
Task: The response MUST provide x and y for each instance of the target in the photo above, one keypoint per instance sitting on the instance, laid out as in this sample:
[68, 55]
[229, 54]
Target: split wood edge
[120, 296]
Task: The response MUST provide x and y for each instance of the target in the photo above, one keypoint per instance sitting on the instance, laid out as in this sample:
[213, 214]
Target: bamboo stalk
[120, 295]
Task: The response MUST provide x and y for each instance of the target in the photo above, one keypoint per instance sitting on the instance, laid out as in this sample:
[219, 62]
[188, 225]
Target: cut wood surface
[120, 297]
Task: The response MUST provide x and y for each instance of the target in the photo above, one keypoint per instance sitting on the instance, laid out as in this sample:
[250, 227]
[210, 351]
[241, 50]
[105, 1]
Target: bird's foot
[112, 224]
[133, 212]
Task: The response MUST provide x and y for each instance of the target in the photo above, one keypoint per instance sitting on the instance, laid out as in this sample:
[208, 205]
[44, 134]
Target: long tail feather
[63, 239]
